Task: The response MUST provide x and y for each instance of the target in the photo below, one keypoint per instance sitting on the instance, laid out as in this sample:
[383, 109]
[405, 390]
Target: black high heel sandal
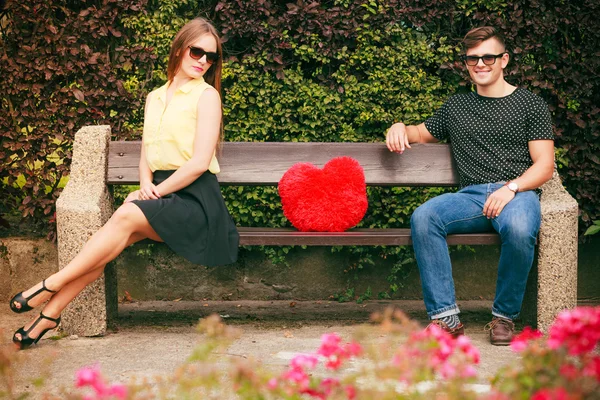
[19, 298]
[27, 341]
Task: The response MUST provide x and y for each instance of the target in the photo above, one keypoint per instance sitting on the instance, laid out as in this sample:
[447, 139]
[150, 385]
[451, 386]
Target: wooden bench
[98, 163]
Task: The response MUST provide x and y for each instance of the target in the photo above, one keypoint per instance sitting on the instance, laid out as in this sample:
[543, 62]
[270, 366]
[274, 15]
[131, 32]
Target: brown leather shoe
[501, 331]
[456, 332]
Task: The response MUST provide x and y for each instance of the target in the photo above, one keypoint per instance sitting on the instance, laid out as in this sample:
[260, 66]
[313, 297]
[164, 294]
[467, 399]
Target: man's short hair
[475, 36]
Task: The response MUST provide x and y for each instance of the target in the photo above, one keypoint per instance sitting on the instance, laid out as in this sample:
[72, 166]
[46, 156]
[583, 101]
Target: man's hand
[496, 202]
[397, 138]
[149, 191]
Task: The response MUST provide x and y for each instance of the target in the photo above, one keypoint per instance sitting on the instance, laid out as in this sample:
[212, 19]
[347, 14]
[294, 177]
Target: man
[502, 143]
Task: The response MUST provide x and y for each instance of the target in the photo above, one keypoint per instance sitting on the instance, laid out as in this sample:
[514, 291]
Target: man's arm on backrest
[399, 136]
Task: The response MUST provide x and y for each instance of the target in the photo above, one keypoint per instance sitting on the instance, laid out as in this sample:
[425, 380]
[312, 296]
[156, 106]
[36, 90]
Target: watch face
[513, 186]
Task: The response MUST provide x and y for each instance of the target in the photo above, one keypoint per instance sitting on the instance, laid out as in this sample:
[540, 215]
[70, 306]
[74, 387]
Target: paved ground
[152, 338]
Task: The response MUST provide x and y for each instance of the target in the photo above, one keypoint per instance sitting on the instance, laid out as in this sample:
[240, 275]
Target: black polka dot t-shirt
[489, 136]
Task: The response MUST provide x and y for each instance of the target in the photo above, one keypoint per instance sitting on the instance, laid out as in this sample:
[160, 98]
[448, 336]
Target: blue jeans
[462, 212]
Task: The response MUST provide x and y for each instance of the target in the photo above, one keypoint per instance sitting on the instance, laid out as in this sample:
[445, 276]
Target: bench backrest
[264, 163]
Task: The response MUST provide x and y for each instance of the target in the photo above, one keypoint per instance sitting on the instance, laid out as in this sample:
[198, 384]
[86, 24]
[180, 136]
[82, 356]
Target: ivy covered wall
[335, 70]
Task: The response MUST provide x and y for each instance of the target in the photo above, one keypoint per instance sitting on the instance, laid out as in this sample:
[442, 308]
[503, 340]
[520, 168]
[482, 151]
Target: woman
[179, 201]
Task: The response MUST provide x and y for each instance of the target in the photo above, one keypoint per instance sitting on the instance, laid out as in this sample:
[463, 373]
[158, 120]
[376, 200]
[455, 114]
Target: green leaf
[592, 230]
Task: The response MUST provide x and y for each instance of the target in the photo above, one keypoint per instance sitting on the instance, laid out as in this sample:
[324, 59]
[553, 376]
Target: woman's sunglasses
[197, 53]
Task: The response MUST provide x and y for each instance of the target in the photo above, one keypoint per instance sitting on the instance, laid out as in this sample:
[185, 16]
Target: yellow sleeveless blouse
[169, 132]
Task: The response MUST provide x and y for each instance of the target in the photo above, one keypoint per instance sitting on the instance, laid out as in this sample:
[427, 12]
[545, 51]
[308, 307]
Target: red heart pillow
[331, 199]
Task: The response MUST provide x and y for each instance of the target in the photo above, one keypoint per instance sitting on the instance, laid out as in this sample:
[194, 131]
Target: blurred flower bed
[408, 362]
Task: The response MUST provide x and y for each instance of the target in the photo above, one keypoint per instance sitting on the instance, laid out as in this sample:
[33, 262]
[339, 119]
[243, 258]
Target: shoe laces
[495, 322]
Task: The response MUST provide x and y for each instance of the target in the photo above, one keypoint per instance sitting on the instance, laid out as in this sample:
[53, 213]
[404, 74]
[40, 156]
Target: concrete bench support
[557, 253]
[84, 207]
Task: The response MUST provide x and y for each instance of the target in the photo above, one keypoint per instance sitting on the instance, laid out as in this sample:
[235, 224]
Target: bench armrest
[559, 227]
[89, 161]
[555, 197]
[86, 192]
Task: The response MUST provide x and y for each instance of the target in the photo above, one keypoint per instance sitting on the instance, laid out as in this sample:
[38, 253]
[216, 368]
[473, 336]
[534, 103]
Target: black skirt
[194, 221]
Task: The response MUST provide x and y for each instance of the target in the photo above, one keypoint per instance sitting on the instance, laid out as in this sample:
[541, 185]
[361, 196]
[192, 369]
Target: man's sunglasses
[197, 53]
[488, 59]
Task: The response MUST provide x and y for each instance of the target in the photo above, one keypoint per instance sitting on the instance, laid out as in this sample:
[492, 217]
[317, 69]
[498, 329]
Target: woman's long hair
[187, 35]
[184, 38]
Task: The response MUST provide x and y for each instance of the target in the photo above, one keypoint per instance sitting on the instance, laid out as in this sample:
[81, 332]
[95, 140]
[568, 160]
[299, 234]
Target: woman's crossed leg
[126, 226]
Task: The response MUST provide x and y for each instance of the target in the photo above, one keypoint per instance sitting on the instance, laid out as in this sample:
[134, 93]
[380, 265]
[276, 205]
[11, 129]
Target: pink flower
[468, 372]
[350, 392]
[333, 362]
[578, 330]
[519, 342]
[592, 368]
[272, 384]
[118, 391]
[313, 393]
[330, 345]
[432, 330]
[297, 376]
[304, 361]
[551, 394]
[87, 376]
[353, 349]
[433, 350]
[473, 353]
[335, 354]
[91, 376]
[328, 384]
[464, 344]
[445, 349]
[568, 371]
[463, 341]
[447, 370]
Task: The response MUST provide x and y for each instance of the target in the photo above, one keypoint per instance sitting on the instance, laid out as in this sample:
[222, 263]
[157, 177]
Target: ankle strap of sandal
[40, 290]
[57, 320]
[45, 288]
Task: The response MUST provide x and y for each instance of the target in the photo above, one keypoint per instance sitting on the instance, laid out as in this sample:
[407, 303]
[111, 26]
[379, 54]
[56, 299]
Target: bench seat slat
[354, 237]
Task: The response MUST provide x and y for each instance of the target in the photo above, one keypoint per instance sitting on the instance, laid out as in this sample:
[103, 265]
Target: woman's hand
[148, 191]
[135, 195]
